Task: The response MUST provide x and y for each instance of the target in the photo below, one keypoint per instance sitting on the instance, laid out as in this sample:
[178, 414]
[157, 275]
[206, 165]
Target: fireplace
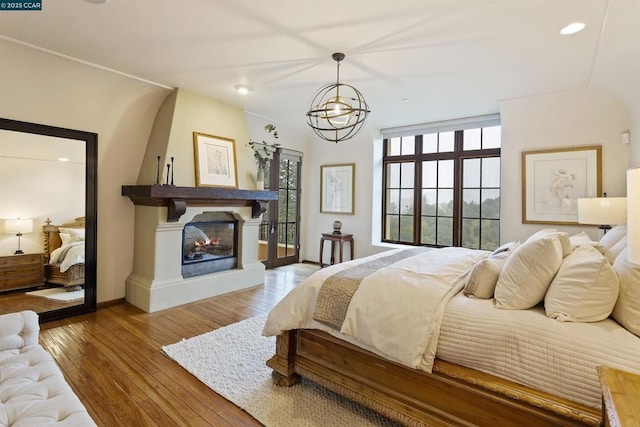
[209, 244]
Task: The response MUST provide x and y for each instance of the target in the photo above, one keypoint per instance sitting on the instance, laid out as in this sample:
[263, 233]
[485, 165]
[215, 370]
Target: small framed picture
[553, 180]
[336, 188]
[215, 159]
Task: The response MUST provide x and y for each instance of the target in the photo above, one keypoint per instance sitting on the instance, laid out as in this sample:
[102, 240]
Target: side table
[620, 397]
[335, 239]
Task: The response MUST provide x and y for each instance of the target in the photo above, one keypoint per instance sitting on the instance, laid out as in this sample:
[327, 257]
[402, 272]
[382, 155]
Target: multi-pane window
[443, 189]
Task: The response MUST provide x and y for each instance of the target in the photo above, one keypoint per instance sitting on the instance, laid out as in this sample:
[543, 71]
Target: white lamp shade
[602, 210]
[633, 215]
[15, 226]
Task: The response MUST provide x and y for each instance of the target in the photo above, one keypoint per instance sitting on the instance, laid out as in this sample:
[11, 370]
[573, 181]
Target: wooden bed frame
[450, 396]
[74, 276]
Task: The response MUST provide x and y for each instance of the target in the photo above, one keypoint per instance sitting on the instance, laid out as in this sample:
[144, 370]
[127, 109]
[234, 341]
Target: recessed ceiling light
[572, 28]
[96, 1]
[405, 100]
[63, 159]
[243, 89]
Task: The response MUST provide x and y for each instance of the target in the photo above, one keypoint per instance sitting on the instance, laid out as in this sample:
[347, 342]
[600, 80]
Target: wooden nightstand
[620, 397]
[21, 271]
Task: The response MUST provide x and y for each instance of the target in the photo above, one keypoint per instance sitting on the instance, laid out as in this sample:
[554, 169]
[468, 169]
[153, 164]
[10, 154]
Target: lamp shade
[15, 226]
[602, 210]
[633, 215]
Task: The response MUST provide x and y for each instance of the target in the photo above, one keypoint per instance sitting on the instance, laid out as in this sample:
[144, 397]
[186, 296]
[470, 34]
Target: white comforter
[396, 311]
[68, 255]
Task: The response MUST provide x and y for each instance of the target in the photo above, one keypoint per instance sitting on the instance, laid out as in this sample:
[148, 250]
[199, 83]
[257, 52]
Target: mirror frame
[91, 209]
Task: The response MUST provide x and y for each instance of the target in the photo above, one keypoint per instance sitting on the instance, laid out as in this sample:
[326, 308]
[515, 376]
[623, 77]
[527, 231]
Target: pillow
[65, 237]
[585, 288]
[77, 234]
[627, 308]
[583, 239]
[527, 273]
[612, 237]
[483, 276]
[567, 248]
[615, 250]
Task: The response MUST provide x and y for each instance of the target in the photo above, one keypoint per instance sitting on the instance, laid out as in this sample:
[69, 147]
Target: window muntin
[457, 201]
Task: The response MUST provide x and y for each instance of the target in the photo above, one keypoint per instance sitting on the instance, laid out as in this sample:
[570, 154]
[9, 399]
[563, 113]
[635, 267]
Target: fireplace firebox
[209, 244]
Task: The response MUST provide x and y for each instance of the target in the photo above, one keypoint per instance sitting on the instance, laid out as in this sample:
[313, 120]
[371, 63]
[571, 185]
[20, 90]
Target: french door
[280, 228]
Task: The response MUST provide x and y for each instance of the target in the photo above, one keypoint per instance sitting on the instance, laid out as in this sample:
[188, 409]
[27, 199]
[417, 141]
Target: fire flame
[207, 242]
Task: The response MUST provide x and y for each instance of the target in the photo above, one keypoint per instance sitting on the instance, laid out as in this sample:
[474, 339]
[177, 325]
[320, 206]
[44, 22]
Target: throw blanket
[395, 311]
[68, 255]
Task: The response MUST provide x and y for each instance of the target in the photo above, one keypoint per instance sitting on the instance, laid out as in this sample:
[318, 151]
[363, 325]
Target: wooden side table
[335, 239]
[21, 271]
[620, 397]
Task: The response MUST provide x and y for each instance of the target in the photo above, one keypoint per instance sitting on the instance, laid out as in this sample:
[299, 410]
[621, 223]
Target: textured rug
[231, 361]
[58, 294]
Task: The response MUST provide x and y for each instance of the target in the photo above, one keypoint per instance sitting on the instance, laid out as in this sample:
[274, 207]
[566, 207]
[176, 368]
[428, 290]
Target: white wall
[42, 88]
[573, 118]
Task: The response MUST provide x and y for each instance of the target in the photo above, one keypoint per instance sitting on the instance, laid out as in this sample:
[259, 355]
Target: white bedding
[68, 255]
[396, 310]
[531, 349]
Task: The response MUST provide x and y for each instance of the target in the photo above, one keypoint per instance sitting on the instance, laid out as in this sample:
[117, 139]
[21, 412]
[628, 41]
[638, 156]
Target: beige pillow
[627, 308]
[615, 250]
[583, 239]
[612, 237]
[527, 273]
[484, 274]
[585, 288]
[567, 248]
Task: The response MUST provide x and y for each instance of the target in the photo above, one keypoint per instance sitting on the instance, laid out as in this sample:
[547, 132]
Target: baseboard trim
[110, 303]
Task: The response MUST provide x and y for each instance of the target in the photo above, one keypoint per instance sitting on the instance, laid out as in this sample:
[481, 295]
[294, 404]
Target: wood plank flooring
[112, 358]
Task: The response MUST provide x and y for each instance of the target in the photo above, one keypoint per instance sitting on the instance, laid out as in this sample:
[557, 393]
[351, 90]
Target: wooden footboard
[451, 395]
[74, 276]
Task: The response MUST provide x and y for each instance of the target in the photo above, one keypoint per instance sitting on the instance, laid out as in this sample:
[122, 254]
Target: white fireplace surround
[156, 282]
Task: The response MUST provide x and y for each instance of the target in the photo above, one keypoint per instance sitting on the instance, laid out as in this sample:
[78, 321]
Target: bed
[496, 354]
[64, 253]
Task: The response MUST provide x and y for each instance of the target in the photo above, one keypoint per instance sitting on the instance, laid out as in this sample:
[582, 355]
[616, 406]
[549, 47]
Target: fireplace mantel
[176, 199]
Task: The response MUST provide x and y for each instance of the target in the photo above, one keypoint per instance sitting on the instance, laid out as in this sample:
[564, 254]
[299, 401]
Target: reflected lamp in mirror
[602, 211]
[18, 227]
[633, 215]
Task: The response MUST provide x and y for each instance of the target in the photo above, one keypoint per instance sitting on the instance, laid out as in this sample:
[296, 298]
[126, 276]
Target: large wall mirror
[48, 213]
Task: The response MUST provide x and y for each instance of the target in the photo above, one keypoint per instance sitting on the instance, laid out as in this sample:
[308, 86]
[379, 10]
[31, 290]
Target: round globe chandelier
[338, 111]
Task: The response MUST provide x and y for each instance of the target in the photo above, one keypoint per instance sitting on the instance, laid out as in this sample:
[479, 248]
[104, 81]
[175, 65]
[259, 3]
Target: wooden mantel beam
[176, 199]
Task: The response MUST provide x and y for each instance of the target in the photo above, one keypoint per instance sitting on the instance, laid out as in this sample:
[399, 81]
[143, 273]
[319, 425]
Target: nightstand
[21, 271]
[620, 397]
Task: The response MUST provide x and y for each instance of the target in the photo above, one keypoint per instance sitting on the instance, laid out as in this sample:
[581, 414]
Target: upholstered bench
[33, 390]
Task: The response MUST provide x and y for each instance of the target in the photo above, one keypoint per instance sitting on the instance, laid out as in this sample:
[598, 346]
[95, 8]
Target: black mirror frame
[91, 210]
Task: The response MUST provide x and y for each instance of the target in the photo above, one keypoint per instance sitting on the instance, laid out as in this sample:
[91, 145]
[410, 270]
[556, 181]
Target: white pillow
[77, 234]
[483, 276]
[627, 308]
[65, 238]
[585, 288]
[612, 237]
[615, 250]
[583, 239]
[567, 248]
[527, 273]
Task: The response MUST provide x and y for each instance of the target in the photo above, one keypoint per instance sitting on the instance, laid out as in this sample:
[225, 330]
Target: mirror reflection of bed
[63, 268]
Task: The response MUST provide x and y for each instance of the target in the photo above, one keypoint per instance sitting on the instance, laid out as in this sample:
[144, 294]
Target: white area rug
[59, 294]
[231, 361]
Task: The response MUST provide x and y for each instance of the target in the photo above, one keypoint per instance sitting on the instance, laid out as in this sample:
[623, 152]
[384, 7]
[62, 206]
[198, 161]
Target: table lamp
[633, 215]
[18, 227]
[602, 211]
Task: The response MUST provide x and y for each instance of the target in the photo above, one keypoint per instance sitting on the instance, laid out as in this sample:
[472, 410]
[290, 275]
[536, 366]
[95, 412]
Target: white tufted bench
[33, 391]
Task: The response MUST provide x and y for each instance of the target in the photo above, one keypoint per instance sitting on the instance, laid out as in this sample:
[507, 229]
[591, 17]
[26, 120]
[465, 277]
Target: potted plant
[263, 152]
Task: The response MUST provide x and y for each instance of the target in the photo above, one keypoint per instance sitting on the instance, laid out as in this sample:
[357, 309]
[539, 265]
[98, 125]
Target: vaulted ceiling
[414, 61]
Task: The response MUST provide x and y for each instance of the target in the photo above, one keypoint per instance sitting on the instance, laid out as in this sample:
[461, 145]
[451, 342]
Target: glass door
[280, 228]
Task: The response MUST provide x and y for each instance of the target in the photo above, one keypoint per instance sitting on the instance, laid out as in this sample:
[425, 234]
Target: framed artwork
[215, 159]
[336, 188]
[553, 180]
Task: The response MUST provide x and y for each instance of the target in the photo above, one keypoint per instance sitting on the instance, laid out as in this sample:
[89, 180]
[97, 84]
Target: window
[443, 188]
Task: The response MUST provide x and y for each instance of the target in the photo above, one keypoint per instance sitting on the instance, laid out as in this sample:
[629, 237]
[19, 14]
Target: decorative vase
[337, 225]
[260, 179]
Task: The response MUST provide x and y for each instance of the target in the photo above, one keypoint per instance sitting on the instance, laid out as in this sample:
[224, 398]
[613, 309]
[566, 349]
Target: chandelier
[338, 111]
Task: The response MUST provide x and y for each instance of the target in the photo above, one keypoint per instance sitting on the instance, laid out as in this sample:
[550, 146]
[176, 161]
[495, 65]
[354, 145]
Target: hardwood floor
[112, 358]
[11, 302]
